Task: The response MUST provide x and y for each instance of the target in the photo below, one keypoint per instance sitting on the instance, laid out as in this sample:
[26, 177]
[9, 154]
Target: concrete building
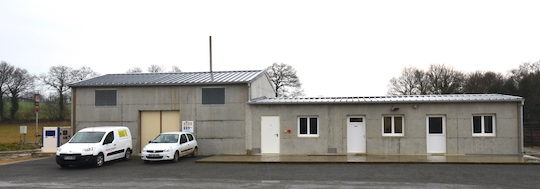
[235, 113]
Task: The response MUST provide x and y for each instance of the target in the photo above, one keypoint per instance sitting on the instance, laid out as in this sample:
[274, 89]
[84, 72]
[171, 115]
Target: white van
[95, 146]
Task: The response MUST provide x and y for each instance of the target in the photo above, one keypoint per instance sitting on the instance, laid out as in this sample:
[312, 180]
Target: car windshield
[166, 138]
[87, 137]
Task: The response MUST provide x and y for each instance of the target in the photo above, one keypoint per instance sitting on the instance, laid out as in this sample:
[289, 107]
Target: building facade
[235, 113]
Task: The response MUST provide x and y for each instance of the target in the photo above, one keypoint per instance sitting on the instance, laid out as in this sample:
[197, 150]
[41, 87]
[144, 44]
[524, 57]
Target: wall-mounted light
[393, 108]
[415, 106]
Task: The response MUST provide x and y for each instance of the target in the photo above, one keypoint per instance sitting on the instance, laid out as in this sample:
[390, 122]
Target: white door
[356, 135]
[436, 134]
[270, 134]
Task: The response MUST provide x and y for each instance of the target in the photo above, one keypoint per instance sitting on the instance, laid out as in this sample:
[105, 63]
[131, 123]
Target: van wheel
[176, 157]
[127, 156]
[100, 160]
[195, 152]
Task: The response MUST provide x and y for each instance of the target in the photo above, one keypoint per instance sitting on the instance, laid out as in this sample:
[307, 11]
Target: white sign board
[188, 126]
[23, 129]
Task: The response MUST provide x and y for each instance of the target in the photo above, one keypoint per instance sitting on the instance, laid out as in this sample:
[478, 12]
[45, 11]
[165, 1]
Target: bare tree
[411, 82]
[5, 72]
[134, 70]
[19, 82]
[58, 78]
[484, 82]
[444, 80]
[176, 69]
[285, 80]
[83, 73]
[154, 68]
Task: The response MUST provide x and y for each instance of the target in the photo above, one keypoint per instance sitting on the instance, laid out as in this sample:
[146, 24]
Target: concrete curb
[525, 160]
[326, 162]
[21, 161]
[19, 151]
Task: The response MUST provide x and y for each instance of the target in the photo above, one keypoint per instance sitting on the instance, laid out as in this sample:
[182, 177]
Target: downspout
[522, 127]
[73, 110]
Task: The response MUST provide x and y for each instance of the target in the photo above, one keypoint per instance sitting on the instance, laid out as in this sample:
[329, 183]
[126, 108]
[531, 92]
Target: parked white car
[170, 146]
[95, 146]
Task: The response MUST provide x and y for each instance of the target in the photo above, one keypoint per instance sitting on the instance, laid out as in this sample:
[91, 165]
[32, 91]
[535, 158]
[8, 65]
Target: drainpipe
[522, 126]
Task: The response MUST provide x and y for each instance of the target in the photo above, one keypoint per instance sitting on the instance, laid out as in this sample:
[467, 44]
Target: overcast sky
[340, 48]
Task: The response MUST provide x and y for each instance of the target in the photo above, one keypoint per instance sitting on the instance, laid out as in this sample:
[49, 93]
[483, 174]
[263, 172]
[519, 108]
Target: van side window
[109, 138]
[183, 139]
[190, 137]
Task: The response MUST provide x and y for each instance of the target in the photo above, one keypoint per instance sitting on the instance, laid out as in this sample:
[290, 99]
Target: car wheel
[146, 161]
[176, 156]
[63, 166]
[195, 151]
[127, 156]
[100, 160]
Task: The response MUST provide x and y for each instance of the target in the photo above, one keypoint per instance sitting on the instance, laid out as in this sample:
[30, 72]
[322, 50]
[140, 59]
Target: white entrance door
[436, 134]
[356, 135]
[270, 134]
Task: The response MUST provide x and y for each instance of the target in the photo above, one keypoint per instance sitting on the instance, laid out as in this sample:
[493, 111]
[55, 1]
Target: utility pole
[210, 38]
[211, 71]
[37, 99]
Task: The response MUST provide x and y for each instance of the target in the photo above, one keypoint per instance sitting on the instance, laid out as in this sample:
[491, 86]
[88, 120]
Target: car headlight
[167, 150]
[88, 149]
[58, 149]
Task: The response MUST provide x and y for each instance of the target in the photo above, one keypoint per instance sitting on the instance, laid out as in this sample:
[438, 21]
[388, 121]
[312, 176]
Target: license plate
[153, 155]
[69, 157]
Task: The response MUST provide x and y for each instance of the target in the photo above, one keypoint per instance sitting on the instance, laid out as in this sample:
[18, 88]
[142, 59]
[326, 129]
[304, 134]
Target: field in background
[26, 111]
[10, 137]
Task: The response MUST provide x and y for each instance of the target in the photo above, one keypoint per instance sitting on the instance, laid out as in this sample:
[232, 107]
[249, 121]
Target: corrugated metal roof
[159, 79]
[391, 99]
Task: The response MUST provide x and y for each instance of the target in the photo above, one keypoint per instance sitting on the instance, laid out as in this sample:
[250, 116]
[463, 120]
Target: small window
[183, 139]
[435, 125]
[393, 125]
[109, 138]
[308, 126]
[356, 119]
[483, 125]
[105, 98]
[213, 96]
[190, 137]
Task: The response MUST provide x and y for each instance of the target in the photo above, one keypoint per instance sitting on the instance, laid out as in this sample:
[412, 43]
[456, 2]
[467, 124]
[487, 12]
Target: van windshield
[166, 138]
[87, 137]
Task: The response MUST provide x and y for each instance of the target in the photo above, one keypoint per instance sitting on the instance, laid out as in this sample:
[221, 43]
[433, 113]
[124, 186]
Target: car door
[191, 143]
[108, 146]
[184, 145]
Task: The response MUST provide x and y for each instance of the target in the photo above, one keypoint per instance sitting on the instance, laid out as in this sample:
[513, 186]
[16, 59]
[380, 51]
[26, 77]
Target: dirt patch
[15, 159]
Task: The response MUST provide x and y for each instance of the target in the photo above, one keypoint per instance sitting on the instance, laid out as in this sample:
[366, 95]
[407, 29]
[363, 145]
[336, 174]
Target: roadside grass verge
[11, 139]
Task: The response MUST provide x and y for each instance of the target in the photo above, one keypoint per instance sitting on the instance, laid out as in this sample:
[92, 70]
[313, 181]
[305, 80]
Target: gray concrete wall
[220, 129]
[333, 130]
[262, 87]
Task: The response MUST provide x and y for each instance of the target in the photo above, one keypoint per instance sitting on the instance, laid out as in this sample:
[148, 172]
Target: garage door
[155, 122]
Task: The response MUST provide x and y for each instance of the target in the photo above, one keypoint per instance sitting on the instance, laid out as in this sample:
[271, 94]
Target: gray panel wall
[333, 130]
[262, 87]
[220, 129]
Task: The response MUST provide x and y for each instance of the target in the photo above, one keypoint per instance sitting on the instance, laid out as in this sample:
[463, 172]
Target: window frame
[107, 135]
[224, 96]
[483, 126]
[393, 128]
[308, 135]
[115, 98]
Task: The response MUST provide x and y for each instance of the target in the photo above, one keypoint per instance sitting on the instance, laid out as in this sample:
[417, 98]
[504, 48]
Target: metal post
[210, 54]
[36, 134]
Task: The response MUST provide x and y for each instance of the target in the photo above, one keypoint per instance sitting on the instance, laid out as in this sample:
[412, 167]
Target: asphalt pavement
[44, 173]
